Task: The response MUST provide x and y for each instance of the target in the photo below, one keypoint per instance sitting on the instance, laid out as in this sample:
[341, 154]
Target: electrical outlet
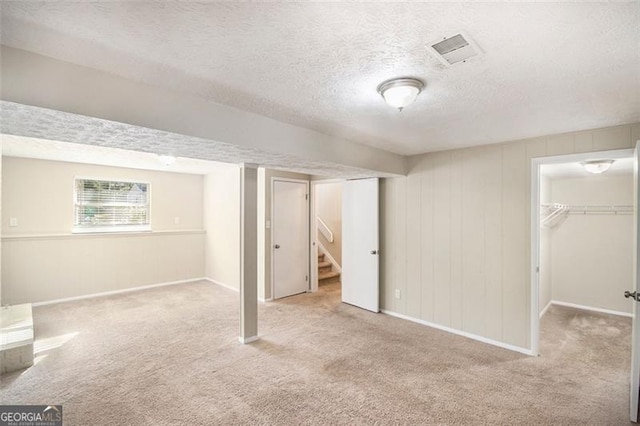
[13, 222]
[398, 293]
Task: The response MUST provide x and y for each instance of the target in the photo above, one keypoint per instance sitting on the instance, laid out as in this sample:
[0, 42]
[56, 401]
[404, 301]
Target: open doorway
[583, 257]
[586, 244]
[326, 235]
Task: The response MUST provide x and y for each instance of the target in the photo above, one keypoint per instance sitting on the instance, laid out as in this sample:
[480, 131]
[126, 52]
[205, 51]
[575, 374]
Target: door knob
[277, 246]
[374, 252]
[635, 296]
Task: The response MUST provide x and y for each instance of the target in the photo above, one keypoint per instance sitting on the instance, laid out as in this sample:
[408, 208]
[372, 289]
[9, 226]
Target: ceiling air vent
[454, 49]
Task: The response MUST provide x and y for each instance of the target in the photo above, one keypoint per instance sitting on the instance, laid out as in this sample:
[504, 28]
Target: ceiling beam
[35, 80]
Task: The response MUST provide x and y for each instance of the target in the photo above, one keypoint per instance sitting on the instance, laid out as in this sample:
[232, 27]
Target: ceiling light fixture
[597, 166]
[400, 92]
[167, 160]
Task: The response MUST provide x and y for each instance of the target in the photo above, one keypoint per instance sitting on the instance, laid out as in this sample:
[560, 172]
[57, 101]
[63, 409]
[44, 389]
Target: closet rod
[600, 209]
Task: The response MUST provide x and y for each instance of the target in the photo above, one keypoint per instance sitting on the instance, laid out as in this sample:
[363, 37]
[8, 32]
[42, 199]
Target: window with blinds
[111, 206]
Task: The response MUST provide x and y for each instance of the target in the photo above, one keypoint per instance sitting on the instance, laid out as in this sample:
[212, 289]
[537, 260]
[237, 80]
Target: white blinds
[111, 204]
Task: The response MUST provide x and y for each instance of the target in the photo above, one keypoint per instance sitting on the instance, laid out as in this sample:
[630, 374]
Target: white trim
[461, 333]
[326, 253]
[324, 229]
[245, 340]
[19, 237]
[589, 308]
[544, 311]
[535, 226]
[534, 279]
[313, 240]
[307, 205]
[113, 292]
[110, 229]
[313, 237]
[221, 284]
[332, 180]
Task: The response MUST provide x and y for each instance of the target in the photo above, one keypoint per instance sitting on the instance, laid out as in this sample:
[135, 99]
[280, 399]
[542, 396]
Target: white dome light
[400, 92]
[167, 160]
[597, 167]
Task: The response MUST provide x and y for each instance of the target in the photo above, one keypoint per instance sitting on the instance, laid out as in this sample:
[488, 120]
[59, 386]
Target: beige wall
[329, 209]
[43, 261]
[55, 267]
[544, 296]
[592, 255]
[264, 234]
[50, 186]
[455, 233]
[222, 223]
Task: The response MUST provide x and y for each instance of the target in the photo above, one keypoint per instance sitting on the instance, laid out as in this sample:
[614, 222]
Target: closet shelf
[616, 209]
[552, 213]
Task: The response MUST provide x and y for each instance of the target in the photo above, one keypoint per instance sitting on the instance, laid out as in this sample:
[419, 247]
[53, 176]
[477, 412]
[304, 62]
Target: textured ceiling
[40, 124]
[19, 146]
[548, 67]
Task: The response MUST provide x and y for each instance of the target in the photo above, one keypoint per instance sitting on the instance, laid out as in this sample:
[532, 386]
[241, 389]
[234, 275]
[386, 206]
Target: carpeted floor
[171, 356]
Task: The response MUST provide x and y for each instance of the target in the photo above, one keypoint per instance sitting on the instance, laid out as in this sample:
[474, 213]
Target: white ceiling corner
[547, 68]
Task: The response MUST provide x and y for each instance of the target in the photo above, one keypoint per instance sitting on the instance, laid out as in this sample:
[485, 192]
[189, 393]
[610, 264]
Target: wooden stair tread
[324, 264]
[327, 275]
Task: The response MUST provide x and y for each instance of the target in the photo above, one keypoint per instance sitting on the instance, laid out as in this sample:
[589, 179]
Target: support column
[248, 253]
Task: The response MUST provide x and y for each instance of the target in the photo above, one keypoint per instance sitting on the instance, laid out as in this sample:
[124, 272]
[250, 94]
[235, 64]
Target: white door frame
[535, 227]
[273, 181]
[313, 234]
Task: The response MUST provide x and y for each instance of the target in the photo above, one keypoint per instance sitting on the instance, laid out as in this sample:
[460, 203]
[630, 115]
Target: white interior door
[360, 243]
[635, 339]
[290, 238]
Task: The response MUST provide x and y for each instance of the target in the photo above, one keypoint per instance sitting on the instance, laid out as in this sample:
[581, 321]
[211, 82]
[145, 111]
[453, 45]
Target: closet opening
[583, 268]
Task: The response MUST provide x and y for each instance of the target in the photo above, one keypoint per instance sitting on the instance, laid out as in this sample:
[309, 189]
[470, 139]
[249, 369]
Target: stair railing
[324, 229]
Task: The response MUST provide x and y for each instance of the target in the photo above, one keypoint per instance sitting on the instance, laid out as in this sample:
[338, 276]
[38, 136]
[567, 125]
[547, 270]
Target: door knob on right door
[635, 296]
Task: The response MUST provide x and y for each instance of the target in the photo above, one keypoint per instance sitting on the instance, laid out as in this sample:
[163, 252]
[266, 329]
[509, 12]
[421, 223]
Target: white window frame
[84, 229]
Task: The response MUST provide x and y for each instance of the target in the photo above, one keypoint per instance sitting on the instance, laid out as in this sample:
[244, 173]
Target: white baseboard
[461, 333]
[221, 284]
[336, 267]
[544, 311]
[111, 293]
[589, 308]
[245, 340]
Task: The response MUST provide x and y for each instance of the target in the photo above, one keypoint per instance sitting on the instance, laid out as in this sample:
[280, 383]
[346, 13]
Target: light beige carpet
[171, 356]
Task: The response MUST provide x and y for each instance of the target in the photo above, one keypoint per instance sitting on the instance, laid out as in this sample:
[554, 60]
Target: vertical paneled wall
[455, 233]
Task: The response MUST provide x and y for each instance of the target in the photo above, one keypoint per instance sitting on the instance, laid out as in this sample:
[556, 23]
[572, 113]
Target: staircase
[325, 273]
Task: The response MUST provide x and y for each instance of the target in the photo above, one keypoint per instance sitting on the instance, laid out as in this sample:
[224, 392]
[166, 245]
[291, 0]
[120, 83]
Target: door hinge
[306, 277]
[306, 196]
